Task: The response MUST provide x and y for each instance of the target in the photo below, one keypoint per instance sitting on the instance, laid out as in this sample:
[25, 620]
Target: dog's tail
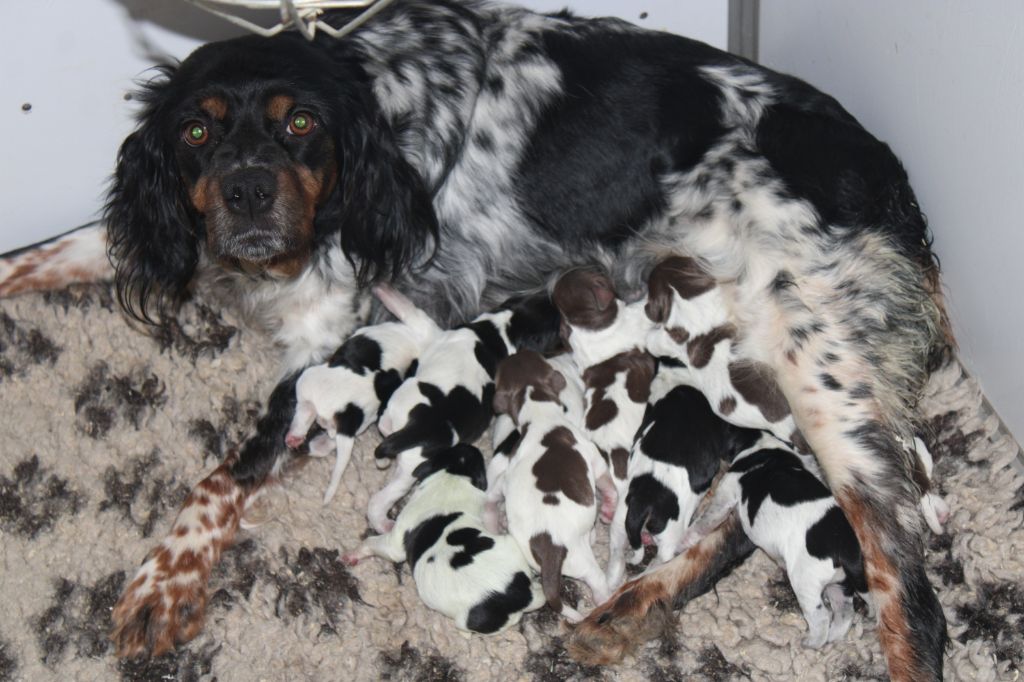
[550, 557]
[77, 256]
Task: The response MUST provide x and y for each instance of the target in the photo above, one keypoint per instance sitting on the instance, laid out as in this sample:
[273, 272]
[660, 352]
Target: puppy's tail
[550, 557]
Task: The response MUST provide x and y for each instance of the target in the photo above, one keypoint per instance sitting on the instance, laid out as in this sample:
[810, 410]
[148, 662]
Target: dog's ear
[151, 226]
[659, 296]
[387, 218]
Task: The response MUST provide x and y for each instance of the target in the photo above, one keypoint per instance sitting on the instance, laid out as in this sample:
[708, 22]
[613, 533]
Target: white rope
[303, 15]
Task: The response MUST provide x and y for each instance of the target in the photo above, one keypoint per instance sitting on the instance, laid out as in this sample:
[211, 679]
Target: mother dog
[470, 152]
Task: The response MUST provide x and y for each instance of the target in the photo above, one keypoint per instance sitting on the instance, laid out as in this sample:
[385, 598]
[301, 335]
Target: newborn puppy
[480, 581]
[346, 394]
[449, 400]
[790, 514]
[678, 452]
[548, 482]
[692, 322]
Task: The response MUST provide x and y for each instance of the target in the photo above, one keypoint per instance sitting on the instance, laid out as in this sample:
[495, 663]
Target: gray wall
[942, 81]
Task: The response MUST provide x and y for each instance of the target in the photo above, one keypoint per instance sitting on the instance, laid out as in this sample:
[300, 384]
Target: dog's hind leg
[640, 609]
[165, 603]
[75, 257]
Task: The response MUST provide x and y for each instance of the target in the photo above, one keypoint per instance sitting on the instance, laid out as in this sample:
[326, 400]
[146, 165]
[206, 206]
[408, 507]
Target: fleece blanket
[104, 429]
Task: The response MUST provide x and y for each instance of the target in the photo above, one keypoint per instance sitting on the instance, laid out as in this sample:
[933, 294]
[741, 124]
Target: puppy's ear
[387, 216]
[659, 296]
[151, 225]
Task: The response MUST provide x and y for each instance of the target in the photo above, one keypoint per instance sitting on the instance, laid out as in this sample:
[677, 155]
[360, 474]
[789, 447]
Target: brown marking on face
[550, 557]
[680, 273]
[620, 462]
[702, 348]
[726, 407]
[201, 192]
[562, 468]
[586, 299]
[279, 106]
[639, 368]
[755, 382]
[215, 107]
[519, 371]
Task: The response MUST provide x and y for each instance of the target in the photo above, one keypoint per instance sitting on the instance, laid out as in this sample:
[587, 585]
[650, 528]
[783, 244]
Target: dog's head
[259, 151]
[586, 299]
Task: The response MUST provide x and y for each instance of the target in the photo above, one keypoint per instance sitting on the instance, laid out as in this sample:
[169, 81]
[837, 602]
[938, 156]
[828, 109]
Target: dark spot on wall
[197, 331]
[32, 502]
[138, 486]
[78, 618]
[21, 347]
[409, 664]
[102, 399]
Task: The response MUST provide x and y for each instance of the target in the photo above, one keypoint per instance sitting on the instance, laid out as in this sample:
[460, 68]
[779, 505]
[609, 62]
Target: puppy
[678, 451]
[479, 580]
[548, 482]
[447, 401]
[347, 393]
[789, 513]
[693, 323]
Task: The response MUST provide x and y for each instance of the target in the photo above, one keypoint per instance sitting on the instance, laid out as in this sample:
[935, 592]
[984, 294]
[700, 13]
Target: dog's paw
[162, 607]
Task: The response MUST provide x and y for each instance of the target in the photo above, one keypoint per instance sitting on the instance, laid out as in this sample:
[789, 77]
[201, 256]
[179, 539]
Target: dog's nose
[250, 191]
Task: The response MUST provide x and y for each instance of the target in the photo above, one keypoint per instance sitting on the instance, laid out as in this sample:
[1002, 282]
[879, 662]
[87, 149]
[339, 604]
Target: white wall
[942, 81]
[74, 61]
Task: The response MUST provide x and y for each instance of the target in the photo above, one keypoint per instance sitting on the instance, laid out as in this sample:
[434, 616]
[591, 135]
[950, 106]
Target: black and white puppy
[548, 482]
[347, 393]
[479, 580]
[449, 399]
[677, 454]
[788, 512]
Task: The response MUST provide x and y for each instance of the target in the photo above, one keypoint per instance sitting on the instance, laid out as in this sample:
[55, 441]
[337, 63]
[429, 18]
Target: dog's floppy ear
[387, 216]
[151, 225]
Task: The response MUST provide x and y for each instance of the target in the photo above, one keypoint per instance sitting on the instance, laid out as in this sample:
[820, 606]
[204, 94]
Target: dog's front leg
[164, 604]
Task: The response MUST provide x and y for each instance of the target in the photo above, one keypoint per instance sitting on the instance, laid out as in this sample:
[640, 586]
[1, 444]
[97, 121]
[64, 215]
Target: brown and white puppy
[607, 336]
[548, 482]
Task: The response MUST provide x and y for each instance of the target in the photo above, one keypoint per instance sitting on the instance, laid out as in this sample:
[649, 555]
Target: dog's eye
[301, 123]
[195, 133]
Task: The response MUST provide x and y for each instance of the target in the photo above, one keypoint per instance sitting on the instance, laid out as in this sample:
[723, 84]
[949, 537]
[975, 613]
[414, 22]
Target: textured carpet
[104, 429]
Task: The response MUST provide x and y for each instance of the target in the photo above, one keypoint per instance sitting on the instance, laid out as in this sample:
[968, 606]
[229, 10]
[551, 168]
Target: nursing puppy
[347, 393]
[548, 482]
[692, 318]
[449, 398]
[678, 451]
[479, 580]
[790, 514]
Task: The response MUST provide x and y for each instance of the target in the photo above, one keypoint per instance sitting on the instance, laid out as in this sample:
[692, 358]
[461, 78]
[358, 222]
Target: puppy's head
[524, 370]
[680, 274]
[256, 151]
[586, 299]
[460, 460]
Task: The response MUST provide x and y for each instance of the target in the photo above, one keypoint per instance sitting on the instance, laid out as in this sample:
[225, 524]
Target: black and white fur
[789, 513]
[346, 394]
[679, 450]
[483, 150]
[479, 580]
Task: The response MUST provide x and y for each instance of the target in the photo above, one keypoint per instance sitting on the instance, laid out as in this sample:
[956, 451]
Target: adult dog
[469, 152]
